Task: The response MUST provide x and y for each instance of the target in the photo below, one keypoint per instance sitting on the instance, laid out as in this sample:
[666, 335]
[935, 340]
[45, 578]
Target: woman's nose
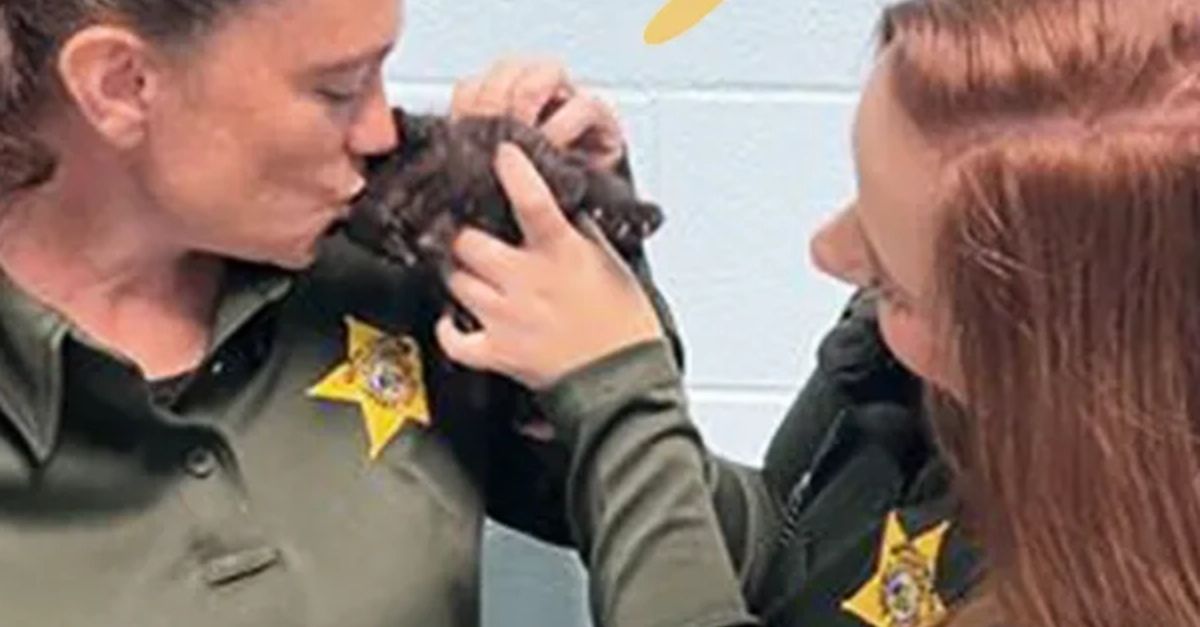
[838, 250]
[374, 131]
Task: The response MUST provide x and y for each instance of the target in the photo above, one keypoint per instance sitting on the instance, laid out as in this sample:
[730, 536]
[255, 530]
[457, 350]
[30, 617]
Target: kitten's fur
[442, 178]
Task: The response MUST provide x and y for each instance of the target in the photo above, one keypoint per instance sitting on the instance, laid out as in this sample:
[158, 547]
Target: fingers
[484, 256]
[613, 260]
[539, 93]
[468, 349]
[496, 93]
[577, 117]
[522, 88]
[537, 213]
[540, 87]
[466, 93]
[479, 297]
[593, 232]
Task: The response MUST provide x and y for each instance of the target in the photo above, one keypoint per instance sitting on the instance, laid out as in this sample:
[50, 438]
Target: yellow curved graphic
[676, 18]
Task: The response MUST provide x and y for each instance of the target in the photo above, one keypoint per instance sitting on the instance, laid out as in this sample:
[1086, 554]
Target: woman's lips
[341, 213]
[335, 226]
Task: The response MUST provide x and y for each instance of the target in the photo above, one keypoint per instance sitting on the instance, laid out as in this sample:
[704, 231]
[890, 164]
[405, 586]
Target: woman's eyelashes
[338, 96]
[347, 88]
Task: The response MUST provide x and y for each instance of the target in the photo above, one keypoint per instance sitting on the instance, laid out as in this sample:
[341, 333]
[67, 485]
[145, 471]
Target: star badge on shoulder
[902, 592]
[383, 375]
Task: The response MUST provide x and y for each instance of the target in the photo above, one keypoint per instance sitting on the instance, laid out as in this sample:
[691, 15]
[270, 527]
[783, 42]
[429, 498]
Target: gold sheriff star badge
[901, 593]
[383, 375]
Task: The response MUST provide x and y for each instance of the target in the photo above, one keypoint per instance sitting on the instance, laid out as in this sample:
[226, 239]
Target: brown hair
[1068, 267]
[32, 32]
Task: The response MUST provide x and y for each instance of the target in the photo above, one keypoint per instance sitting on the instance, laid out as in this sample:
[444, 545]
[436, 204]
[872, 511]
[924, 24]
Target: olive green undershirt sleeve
[640, 495]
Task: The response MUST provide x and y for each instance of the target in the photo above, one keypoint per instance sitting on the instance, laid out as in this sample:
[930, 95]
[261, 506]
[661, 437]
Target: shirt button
[200, 462]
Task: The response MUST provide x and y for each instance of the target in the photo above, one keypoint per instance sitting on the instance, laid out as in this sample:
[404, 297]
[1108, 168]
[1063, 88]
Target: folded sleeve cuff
[599, 388]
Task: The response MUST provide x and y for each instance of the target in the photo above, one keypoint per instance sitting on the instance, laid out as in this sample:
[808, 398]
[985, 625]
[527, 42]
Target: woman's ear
[109, 73]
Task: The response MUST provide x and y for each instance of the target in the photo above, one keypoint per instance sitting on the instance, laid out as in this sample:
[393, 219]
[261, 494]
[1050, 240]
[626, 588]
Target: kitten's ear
[417, 131]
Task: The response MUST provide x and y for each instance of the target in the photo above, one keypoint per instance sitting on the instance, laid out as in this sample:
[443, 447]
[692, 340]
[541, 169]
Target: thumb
[537, 213]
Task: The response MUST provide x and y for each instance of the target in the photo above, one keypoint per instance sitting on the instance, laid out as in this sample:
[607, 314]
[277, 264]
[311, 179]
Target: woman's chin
[301, 259]
[293, 258]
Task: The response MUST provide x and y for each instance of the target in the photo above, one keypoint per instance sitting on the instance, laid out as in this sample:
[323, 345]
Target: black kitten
[441, 178]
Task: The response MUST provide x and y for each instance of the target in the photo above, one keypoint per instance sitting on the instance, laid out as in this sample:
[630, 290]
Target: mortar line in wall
[723, 386]
[711, 88]
[739, 96]
[741, 399]
[731, 91]
[742, 391]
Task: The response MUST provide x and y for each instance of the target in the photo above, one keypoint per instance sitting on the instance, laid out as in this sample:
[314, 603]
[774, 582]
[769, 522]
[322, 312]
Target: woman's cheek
[911, 339]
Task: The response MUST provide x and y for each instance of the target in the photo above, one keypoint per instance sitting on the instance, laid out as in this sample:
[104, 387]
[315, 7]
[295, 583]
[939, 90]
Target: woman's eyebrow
[358, 59]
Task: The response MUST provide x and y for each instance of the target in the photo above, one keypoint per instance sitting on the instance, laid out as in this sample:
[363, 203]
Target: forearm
[638, 495]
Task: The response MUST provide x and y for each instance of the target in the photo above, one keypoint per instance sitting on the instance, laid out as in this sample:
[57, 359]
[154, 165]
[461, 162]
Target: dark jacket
[850, 522]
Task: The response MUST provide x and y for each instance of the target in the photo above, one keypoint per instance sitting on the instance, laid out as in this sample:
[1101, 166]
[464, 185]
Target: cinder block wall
[740, 129]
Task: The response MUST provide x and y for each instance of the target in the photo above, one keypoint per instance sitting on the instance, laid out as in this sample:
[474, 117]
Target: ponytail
[24, 161]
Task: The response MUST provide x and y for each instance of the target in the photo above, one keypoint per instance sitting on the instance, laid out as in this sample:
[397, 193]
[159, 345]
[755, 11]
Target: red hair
[1068, 267]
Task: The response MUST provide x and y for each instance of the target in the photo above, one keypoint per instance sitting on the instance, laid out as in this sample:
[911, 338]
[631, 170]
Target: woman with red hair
[1028, 213]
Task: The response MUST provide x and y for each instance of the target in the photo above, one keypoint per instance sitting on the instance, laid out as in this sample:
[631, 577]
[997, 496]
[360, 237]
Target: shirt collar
[32, 337]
